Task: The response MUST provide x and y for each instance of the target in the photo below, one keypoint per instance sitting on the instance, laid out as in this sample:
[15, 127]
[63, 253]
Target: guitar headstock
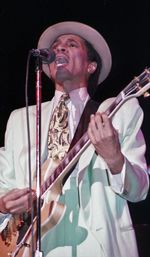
[139, 85]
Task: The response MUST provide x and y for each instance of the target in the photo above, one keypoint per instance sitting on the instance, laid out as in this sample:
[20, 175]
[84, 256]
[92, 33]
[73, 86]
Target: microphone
[47, 56]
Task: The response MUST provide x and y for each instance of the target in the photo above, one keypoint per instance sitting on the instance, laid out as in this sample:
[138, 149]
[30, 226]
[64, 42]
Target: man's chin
[62, 75]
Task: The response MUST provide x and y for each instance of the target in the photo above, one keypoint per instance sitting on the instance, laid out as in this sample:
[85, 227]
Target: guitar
[52, 212]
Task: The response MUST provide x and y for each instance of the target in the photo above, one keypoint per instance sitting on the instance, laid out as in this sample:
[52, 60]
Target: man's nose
[61, 48]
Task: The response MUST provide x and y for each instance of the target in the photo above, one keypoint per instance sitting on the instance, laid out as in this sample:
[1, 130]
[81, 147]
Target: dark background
[124, 25]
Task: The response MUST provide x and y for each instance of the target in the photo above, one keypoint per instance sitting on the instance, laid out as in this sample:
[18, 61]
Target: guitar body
[6, 249]
[51, 214]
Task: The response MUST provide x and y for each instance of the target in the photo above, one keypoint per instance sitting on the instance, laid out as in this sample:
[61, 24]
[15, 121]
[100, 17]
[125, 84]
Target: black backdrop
[125, 26]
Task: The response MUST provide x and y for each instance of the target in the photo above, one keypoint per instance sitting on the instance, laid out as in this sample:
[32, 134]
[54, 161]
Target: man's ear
[92, 67]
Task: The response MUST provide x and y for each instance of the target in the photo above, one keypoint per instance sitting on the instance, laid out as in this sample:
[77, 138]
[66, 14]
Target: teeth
[59, 64]
[60, 61]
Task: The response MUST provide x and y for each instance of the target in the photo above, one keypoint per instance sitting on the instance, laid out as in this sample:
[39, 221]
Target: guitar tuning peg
[146, 94]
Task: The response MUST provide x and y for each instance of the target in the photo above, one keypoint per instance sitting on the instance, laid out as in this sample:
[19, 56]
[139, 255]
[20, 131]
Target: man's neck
[68, 87]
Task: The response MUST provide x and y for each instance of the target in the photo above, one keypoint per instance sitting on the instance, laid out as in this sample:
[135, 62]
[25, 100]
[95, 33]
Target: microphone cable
[29, 150]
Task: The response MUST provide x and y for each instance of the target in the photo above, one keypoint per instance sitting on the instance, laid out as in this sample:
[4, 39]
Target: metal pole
[38, 252]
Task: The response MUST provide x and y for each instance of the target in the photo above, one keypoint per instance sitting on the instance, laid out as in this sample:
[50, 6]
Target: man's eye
[73, 44]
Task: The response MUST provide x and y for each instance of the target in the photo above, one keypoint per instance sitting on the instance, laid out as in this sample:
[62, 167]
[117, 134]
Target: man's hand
[106, 142]
[16, 201]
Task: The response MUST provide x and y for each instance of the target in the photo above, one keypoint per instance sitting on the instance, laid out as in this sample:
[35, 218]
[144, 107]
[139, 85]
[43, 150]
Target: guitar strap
[90, 108]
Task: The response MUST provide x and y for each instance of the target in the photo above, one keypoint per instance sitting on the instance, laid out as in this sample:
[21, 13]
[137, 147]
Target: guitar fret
[146, 80]
[52, 178]
[130, 87]
[43, 188]
[114, 104]
[48, 182]
[58, 171]
[110, 109]
[142, 76]
[66, 160]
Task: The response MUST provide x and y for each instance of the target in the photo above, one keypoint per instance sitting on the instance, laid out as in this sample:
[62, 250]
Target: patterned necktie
[58, 134]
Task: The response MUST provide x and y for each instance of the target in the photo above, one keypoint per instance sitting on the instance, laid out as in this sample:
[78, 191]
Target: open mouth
[61, 61]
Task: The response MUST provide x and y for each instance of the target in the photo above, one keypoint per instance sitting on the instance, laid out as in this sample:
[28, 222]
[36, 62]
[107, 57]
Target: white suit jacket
[103, 200]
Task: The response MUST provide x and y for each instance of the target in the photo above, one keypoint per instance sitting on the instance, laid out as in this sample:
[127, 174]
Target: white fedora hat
[88, 33]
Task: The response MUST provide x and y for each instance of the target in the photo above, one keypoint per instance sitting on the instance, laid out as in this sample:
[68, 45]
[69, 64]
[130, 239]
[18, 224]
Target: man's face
[71, 63]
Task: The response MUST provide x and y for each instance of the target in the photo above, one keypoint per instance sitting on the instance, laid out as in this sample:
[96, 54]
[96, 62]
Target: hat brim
[84, 31]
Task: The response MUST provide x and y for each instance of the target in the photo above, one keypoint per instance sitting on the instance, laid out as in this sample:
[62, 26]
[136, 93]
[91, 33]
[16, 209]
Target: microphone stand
[38, 252]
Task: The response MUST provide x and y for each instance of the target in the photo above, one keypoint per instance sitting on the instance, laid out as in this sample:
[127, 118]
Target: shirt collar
[77, 96]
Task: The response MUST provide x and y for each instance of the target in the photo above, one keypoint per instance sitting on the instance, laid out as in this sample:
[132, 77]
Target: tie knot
[64, 97]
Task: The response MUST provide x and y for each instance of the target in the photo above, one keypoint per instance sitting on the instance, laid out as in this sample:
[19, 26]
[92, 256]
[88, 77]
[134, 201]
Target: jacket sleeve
[133, 183]
[7, 173]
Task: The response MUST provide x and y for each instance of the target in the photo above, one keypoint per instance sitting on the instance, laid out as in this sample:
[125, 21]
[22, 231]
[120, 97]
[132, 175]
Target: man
[110, 172]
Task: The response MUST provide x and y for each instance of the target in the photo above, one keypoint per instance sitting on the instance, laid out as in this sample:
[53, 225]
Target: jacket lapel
[46, 115]
[87, 155]
[45, 118]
